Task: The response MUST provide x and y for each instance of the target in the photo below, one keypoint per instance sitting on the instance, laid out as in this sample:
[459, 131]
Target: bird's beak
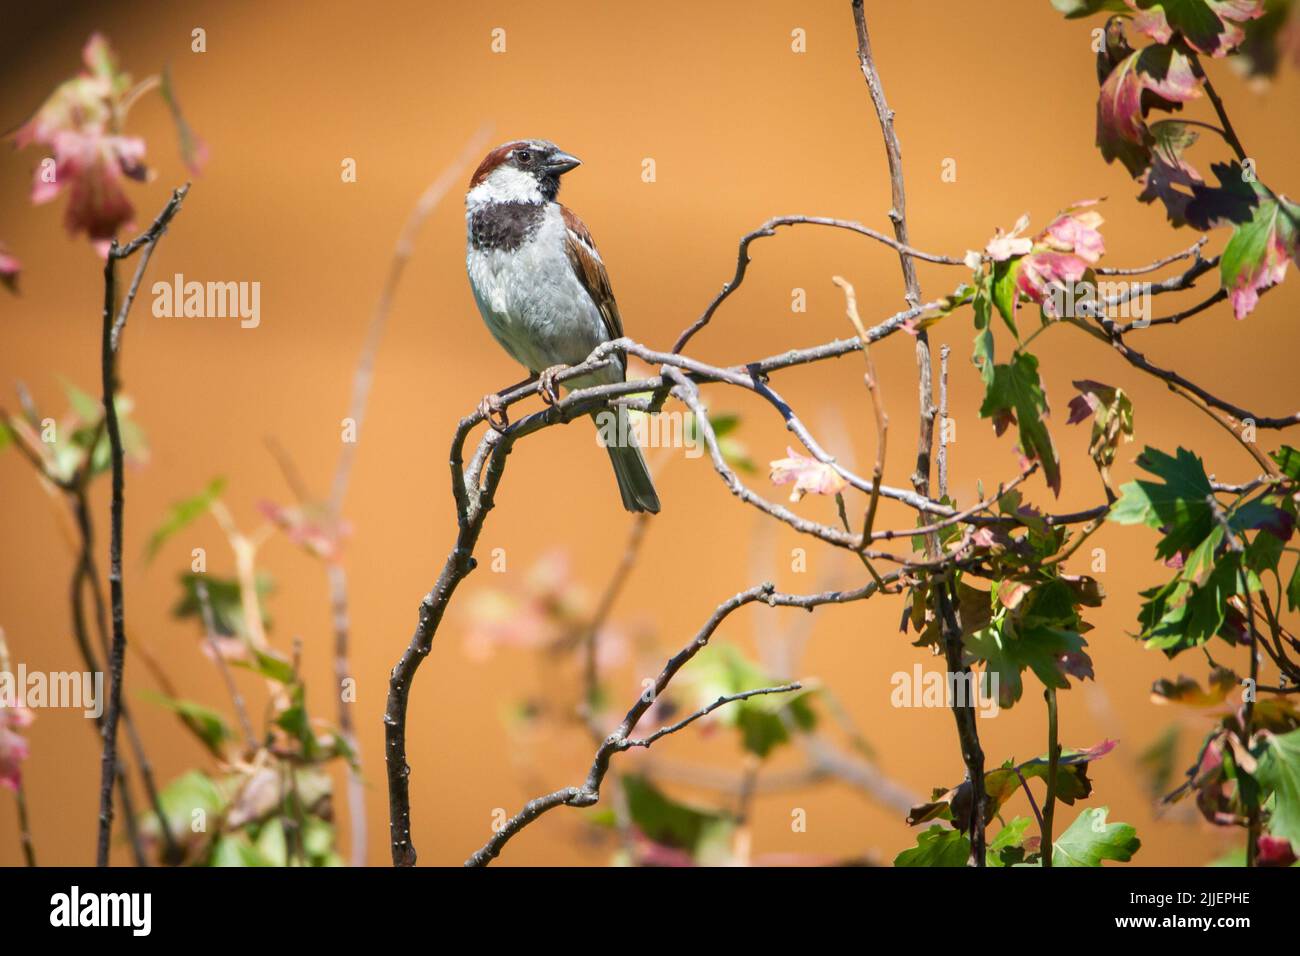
[559, 163]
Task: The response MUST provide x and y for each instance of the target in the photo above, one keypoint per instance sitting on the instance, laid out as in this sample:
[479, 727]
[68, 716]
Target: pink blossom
[1060, 255]
[310, 527]
[10, 267]
[79, 124]
[1004, 246]
[808, 475]
[13, 748]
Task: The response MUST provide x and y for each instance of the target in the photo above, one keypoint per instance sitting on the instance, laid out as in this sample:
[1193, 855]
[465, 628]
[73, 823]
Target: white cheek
[507, 184]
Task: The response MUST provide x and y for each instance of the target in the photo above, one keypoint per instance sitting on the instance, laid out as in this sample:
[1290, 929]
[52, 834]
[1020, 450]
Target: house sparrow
[542, 288]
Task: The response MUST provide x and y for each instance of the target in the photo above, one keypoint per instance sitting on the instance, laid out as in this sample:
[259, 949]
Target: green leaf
[207, 724]
[1041, 635]
[1090, 840]
[269, 666]
[1279, 772]
[1015, 394]
[272, 843]
[182, 513]
[1008, 847]
[88, 410]
[233, 849]
[1179, 504]
[1256, 256]
[937, 846]
[317, 840]
[1004, 291]
[224, 596]
[722, 670]
[982, 305]
[294, 721]
[188, 798]
[1288, 459]
[705, 834]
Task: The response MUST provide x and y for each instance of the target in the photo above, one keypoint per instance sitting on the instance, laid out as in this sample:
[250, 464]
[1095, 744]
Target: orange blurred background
[741, 128]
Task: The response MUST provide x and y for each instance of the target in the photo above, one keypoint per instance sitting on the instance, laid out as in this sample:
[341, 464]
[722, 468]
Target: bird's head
[526, 170]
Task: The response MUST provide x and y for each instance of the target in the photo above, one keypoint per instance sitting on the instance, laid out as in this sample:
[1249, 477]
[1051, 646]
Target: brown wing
[590, 271]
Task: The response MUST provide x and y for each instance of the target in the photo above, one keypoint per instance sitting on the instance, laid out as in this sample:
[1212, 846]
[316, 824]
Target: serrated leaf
[1180, 503]
[1008, 847]
[1279, 772]
[1015, 395]
[1152, 76]
[1042, 635]
[1288, 459]
[937, 846]
[1090, 840]
[1211, 26]
[1257, 255]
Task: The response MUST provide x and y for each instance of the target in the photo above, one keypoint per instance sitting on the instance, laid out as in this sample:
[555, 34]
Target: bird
[543, 292]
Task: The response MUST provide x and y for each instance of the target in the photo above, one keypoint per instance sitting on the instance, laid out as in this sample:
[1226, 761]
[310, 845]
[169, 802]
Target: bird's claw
[546, 386]
[494, 412]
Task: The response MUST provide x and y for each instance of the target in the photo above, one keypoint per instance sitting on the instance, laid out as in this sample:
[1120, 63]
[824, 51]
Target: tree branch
[113, 326]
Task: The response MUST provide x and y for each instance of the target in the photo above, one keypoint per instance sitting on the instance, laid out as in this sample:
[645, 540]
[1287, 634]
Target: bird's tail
[634, 481]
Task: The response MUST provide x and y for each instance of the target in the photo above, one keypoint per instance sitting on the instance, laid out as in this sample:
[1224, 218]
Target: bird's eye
[524, 156]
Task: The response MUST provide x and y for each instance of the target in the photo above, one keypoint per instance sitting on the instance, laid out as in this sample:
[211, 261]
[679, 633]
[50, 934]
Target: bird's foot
[546, 386]
[494, 412]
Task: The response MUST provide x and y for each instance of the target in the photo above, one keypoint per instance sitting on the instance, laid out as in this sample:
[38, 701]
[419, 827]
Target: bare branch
[113, 327]
[706, 710]
[620, 739]
[769, 229]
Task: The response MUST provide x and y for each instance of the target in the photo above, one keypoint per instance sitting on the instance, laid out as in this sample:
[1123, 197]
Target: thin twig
[1229, 133]
[620, 739]
[1053, 762]
[113, 326]
[769, 229]
[877, 406]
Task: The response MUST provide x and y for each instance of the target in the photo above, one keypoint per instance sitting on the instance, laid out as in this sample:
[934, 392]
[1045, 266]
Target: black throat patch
[504, 225]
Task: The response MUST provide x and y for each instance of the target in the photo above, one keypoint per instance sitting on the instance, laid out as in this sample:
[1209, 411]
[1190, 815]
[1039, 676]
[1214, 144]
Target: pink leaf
[1211, 26]
[1154, 76]
[808, 475]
